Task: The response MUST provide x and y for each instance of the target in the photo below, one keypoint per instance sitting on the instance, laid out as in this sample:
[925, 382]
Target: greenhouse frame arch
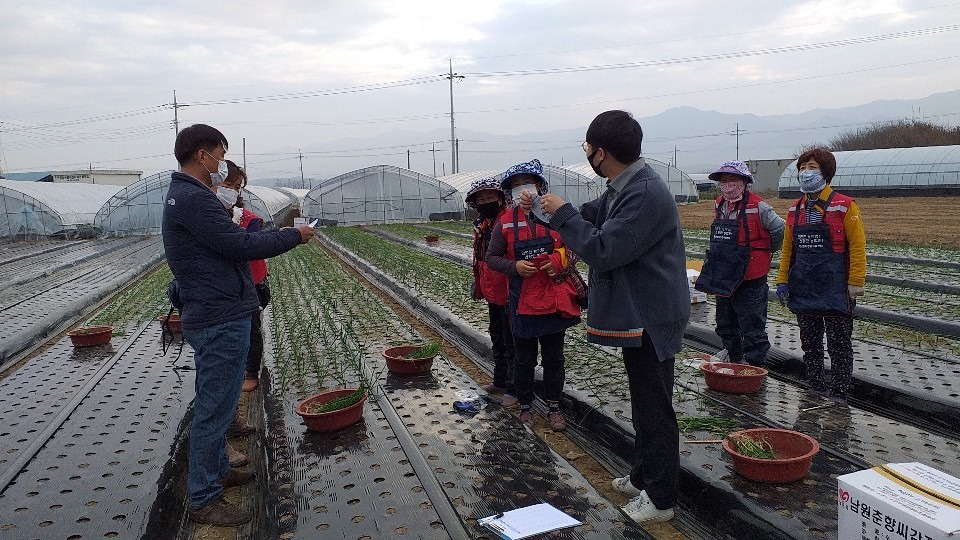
[570, 185]
[681, 185]
[382, 194]
[138, 208]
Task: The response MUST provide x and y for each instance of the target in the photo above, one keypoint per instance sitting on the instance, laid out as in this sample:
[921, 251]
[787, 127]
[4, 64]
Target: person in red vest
[230, 194]
[823, 269]
[541, 308]
[743, 237]
[486, 197]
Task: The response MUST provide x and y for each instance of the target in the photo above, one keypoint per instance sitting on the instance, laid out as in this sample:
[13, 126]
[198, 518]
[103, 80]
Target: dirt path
[916, 221]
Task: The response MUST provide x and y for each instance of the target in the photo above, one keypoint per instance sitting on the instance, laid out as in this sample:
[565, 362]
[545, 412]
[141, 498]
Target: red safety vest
[539, 294]
[258, 267]
[760, 254]
[833, 218]
[491, 285]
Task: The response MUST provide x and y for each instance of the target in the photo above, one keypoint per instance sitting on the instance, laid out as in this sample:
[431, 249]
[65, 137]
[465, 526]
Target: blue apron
[818, 275]
[726, 261]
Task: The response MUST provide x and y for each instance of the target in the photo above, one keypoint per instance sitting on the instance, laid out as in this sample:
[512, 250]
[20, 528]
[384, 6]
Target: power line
[722, 56]
[317, 93]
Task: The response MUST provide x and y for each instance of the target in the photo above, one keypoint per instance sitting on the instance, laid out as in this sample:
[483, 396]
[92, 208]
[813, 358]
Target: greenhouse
[138, 208]
[296, 195]
[275, 207]
[683, 187]
[30, 210]
[570, 185]
[382, 194]
[918, 171]
[135, 209]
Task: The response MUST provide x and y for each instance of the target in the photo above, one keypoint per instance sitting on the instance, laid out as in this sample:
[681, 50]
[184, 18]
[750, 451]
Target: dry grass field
[917, 221]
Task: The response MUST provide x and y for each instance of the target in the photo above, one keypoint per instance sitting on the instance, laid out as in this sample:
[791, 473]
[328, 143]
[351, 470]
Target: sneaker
[237, 478]
[625, 486]
[526, 417]
[220, 513]
[250, 383]
[493, 389]
[722, 356]
[837, 398]
[236, 458]
[509, 400]
[642, 510]
[557, 422]
[240, 427]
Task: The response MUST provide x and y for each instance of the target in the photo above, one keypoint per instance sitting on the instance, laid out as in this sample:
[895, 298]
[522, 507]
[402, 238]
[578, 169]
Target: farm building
[138, 208]
[918, 171]
[118, 177]
[41, 209]
[683, 187]
[382, 194]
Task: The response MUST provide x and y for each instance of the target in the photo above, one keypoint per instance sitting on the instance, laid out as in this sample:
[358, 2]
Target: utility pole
[408, 159]
[450, 75]
[433, 150]
[302, 181]
[738, 140]
[675, 156]
[176, 119]
[244, 154]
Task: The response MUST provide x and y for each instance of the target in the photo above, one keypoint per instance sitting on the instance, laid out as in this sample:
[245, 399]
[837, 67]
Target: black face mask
[596, 168]
[489, 210]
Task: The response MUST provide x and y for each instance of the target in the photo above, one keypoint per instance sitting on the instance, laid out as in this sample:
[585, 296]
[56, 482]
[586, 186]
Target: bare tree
[896, 134]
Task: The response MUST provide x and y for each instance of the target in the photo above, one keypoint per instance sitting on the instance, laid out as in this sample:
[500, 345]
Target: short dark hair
[618, 133]
[824, 158]
[197, 137]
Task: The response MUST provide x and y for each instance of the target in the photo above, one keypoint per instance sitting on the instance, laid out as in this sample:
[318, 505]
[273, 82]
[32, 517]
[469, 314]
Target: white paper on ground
[528, 521]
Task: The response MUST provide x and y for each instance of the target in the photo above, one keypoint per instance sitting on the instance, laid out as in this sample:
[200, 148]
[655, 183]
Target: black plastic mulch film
[360, 483]
[105, 473]
[852, 438]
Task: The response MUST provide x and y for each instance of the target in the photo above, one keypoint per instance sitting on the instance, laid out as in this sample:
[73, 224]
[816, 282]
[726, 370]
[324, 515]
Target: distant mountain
[699, 139]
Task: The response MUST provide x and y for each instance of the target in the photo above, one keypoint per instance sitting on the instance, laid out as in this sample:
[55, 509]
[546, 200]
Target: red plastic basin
[734, 383]
[794, 453]
[396, 363]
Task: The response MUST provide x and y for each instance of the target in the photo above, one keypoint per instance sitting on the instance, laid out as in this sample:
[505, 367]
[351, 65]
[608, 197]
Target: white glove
[855, 290]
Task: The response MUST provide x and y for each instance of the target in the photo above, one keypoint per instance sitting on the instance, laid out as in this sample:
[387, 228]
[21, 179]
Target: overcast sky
[92, 83]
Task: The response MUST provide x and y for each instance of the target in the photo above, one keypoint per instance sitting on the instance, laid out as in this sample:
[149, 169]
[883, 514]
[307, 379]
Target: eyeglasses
[584, 146]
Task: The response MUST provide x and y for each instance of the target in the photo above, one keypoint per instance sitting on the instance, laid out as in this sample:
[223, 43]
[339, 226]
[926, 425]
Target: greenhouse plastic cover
[273, 201]
[889, 167]
[295, 194]
[382, 194]
[574, 187]
[70, 204]
[682, 186]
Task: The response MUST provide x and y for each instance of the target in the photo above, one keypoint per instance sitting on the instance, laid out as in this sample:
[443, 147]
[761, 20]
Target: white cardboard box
[905, 501]
[300, 221]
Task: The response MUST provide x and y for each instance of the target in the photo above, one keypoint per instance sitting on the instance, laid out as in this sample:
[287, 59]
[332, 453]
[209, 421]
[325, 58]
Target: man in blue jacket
[207, 253]
[639, 297]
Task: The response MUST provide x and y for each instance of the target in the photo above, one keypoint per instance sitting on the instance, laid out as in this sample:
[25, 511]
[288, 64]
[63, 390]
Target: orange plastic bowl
[793, 453]
[733, 383]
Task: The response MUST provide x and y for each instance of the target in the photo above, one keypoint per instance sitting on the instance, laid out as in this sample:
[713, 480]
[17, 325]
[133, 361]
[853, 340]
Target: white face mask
[518, 190]
[227, 196]
[219, 177]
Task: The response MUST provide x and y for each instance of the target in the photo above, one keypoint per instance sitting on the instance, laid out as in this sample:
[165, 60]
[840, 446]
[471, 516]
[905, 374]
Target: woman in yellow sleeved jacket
[822, 270]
